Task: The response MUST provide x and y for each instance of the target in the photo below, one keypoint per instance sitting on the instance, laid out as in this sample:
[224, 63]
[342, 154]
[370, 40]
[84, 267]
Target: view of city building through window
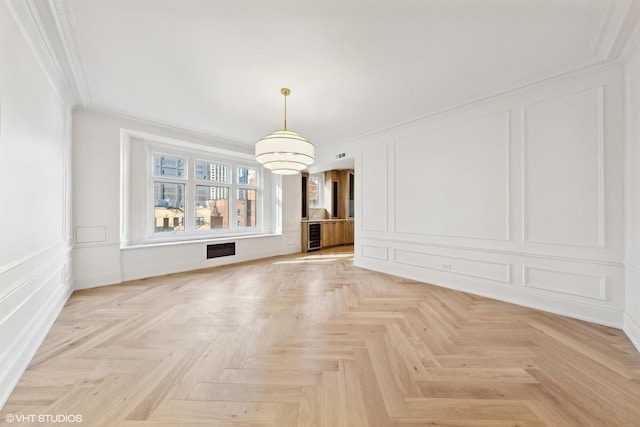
[214, 191]
[313, 192]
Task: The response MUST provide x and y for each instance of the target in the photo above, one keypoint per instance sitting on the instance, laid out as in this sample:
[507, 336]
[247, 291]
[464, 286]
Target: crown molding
[52, 40]
[68, 38]
[27, 18]
[631, 45]
[612, 24]
[557, 75]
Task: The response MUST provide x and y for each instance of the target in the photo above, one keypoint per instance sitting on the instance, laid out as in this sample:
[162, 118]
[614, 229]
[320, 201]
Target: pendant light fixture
[284, 152]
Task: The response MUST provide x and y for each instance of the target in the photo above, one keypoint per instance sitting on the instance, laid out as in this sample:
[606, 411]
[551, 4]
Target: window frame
[320, 178]
[191, 230]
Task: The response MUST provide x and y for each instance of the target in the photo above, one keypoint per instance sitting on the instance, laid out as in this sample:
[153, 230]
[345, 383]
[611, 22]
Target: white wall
[518, 197]
[632, 312]
[35, 245]
[101, 254]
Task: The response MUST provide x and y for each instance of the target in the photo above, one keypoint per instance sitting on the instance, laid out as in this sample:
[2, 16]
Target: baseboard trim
[18, 356]
[632, 329]
[97, 281]
[590, 313]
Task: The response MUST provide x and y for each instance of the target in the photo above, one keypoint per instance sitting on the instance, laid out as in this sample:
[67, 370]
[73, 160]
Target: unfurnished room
[338, 213]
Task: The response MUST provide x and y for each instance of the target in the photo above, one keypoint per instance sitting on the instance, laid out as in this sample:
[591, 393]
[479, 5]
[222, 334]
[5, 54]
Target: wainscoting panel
[374, 252]
[563, 170]
[36, 289]
[565, 282]
[374, 187]
[465, 266]
[454, 181]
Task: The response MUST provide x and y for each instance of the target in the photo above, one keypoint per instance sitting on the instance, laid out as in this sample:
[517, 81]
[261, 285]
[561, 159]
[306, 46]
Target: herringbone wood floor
[310, 340]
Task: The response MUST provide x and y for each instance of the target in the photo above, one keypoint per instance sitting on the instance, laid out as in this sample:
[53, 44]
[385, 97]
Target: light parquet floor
[310, 340]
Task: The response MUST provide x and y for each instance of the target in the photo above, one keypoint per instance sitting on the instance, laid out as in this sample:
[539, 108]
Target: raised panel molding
[597, 94]
[36, 288]
[565, 282]
[374, 175]
[496, 128]
[375, 252]
[470, 267]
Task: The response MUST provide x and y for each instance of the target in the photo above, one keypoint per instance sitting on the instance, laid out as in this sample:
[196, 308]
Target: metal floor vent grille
[221, 249]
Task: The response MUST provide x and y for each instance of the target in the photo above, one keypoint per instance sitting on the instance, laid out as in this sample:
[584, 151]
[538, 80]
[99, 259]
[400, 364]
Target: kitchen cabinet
[348, 232]
[333, 233]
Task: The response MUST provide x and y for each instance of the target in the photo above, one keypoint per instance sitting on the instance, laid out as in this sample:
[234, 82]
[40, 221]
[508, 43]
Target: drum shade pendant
[284, 152]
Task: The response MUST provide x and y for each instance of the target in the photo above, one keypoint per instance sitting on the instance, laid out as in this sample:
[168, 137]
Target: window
[247, 197]
[168, 166]
[194, 195]
[168, 206]
[314, 192]
[212, 204]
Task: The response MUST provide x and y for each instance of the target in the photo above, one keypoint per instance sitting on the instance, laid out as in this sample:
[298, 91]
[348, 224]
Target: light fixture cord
[285, 112]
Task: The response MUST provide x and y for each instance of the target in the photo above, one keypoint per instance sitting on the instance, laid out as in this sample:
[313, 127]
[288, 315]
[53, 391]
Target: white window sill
[197, 240]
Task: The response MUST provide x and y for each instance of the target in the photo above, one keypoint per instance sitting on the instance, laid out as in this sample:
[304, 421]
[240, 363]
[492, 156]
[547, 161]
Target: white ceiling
[353, 66]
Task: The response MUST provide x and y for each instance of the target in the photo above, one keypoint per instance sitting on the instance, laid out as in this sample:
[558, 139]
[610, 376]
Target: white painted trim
[507, 266]
[8, 267]
[158, 142]
[372, 254]
[25, 14]
[391, 186]
[97, 280]
[387, 172]
[593, 66]
[632, 329]
[602, 295]
[392, 179]
[68, 36]
[19, 354]
[612, 23]
[574, 309]
[601, 168]
[96, 245]
[496, 251]
[629, 50]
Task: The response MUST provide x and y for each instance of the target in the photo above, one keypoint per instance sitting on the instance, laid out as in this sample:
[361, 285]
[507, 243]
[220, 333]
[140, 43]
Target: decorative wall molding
[375, 252]
[601, 171]
[630, 49]
[443, 262]
[68, 37]
[18, 272]
[600, 282]
[612, 23]
[507, 178]
[18, 354]
[37, 23]
[374, 193]
[597, 313]
[496, 251]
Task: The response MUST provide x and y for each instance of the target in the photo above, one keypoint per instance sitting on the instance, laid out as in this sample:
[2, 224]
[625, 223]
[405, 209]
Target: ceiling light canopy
[285, 152]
